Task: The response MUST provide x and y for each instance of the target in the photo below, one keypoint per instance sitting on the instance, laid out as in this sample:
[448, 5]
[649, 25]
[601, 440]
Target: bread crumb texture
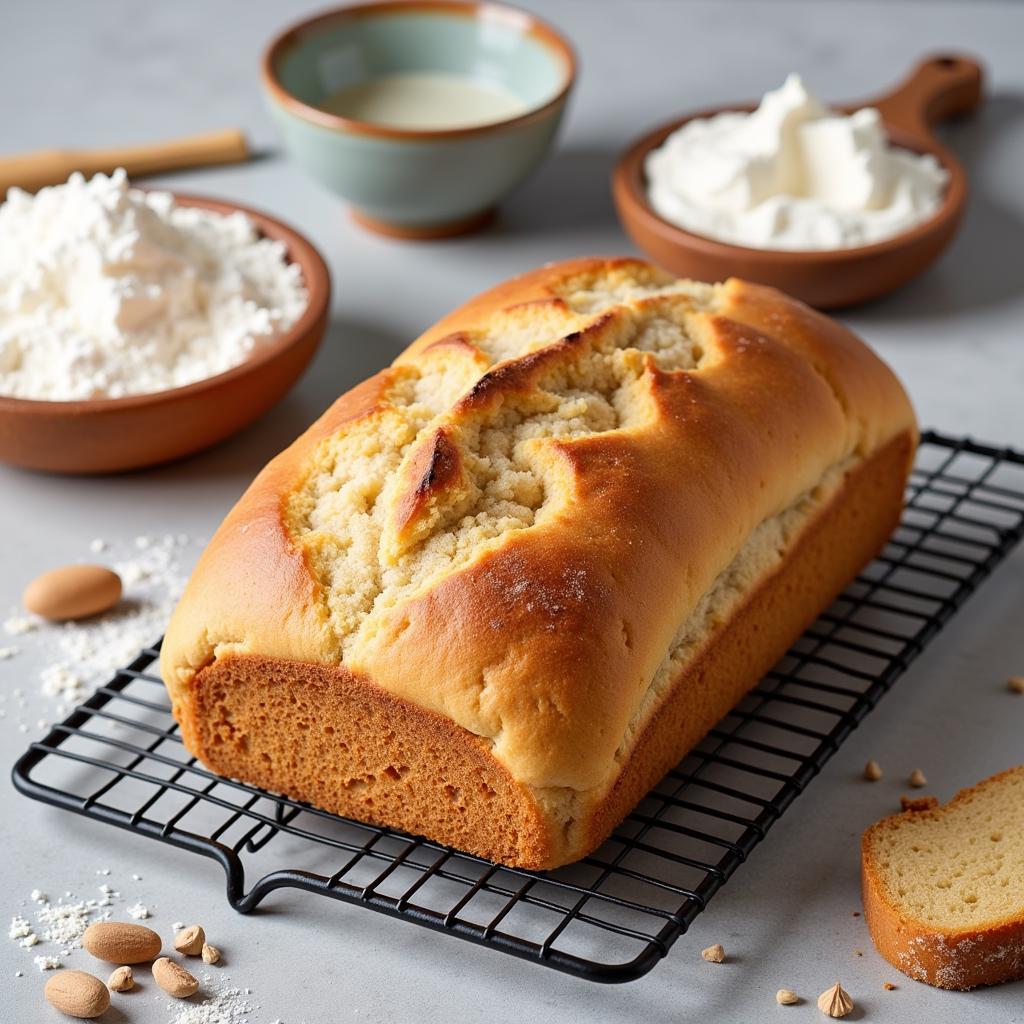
[944, 886]
[439, 474]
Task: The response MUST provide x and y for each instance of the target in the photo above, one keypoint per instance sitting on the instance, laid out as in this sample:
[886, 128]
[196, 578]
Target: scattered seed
[174, 979]
[121, 980]
[917, 779]
[872, 771]
[713, 954]
[190, 940]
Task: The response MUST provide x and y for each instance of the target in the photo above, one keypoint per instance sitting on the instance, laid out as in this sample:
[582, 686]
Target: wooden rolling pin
[32, 171]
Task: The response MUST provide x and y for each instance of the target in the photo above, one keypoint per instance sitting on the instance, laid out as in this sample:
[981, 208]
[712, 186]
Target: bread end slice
[943, 887]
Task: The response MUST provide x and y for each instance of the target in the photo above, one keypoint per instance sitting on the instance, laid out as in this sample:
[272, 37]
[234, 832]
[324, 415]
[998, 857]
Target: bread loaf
[498, 589]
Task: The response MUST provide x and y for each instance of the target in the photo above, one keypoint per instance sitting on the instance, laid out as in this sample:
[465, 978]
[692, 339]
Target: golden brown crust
[955, 958]
[544, 641]
[845, 534]
[344, 744]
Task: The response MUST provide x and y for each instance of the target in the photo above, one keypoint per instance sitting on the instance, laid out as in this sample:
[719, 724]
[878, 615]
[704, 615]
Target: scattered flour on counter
[64, 921]
[222, 1006]
[19, 625]
[79, 656]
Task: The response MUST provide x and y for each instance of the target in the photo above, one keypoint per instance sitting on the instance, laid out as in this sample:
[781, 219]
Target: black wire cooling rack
[118, 758]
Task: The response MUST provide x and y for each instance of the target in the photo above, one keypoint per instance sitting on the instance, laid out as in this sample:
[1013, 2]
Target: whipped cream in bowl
[792, 175]
[832, 207]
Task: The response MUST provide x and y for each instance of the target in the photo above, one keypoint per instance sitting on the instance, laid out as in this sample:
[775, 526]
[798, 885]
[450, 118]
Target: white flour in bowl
[107, 291]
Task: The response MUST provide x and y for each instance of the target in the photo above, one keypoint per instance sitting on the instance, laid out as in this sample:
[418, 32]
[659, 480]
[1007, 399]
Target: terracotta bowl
[938, 88]
[108, 435]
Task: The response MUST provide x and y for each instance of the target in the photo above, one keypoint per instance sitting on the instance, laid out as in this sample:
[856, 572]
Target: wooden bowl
[938, 88]
[107, 435]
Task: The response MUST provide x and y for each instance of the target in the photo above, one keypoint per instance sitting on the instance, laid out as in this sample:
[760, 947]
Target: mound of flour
[107, 291]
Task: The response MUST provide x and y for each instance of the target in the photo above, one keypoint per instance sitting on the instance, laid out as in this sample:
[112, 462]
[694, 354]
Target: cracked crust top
[508, 525]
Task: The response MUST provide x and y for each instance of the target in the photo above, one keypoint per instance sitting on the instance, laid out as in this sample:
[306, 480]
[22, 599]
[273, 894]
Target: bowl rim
[530, 23]
[318, 286]
[628, 180]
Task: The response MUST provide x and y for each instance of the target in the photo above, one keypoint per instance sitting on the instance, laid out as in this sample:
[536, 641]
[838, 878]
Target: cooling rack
[118, 759]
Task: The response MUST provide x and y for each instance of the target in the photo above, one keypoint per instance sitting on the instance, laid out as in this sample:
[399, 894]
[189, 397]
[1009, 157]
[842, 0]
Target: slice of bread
[944, 886]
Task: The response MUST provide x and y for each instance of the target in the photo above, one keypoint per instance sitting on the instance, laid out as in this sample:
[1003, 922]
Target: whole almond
[190, 940]
[77, 994]
[211, 954]
[173, 978]
[121, 980]
[119, 942]
[72, 592]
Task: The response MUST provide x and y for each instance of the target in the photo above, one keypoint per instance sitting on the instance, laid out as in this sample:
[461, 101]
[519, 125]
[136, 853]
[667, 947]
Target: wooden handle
[940, 87]
[33, 171]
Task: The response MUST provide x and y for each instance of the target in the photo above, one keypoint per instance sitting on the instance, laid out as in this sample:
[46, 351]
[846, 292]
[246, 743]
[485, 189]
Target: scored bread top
[508, 525]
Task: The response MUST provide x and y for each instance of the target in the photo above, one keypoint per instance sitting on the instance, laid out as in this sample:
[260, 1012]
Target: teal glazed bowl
[418, 182]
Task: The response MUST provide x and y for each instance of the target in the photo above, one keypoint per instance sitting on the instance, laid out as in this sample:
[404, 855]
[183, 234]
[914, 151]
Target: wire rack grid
[118, 758]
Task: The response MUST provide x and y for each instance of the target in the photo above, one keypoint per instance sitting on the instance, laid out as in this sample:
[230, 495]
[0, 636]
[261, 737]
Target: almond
[72, 592]
[121, 980]
[211, 954]
[190, 940]
[173, 978]
[77, 994]
[119, 942]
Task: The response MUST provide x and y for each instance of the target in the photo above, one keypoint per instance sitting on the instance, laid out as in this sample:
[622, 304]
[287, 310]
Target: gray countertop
[91, 74]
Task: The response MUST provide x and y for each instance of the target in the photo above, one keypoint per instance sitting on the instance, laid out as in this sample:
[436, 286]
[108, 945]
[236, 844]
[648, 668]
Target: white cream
[792, 175]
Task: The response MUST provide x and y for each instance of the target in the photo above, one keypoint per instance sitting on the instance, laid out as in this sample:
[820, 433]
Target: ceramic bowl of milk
[422, 114]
